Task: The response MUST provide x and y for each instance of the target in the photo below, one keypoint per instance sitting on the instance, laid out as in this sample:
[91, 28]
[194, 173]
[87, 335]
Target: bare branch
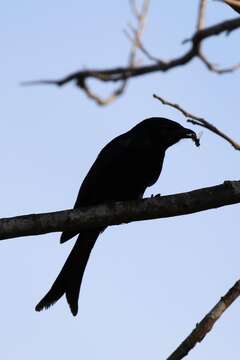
[122, 212]
[215, 68]
[123, 74]
[214, 30]
[196, 120]
[206, 324]
[99, 100]
[210, 66]
[140, 17]
[81, 81]
[232, 2]
[200, 26]
[147, 53]
[201, 14]
[235, 4]
[199, 53]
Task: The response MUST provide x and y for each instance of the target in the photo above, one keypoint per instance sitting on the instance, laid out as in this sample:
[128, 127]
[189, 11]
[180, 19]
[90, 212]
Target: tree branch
[140, 15]
[125, 73]
[196, 120]
[201, 15]
[235, 4]
[122, 212]
[206, 324]
[200, 26]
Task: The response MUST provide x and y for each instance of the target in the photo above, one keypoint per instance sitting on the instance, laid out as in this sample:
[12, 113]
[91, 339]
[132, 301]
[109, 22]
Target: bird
[123, 170]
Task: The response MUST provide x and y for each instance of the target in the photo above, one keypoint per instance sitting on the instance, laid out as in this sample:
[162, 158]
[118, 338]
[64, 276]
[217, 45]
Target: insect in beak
[190, 134]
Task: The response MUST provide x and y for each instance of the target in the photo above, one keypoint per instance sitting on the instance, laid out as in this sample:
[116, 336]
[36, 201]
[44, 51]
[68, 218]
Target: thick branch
[206, 324]
[122, 212]
[225, 26]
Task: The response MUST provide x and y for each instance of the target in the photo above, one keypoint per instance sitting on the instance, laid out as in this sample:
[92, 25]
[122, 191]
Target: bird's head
[166, 132]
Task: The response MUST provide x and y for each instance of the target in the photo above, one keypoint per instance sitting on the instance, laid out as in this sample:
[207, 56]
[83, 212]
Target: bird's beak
[190, 134]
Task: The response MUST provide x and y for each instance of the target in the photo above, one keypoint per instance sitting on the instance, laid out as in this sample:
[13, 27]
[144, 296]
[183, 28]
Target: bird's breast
[147, 167]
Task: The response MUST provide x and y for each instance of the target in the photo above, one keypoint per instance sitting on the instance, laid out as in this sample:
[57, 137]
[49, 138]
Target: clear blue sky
[148, 283]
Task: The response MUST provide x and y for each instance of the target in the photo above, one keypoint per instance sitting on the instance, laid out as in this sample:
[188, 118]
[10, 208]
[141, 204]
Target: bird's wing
[95, 188]
[103, 181]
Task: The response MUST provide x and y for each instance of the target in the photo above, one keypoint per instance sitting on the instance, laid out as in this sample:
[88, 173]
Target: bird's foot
[156, 196]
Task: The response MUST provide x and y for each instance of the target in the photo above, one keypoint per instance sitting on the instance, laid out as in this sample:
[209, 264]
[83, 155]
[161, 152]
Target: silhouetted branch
[123, 74]
[122, 212]
[196, 120]
[81, 77]
[206, 324]
[200, 26]
[235, 4]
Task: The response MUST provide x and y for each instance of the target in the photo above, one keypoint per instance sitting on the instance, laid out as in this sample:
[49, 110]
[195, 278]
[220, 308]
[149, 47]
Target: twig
[214, 68]
[148, 54]
[196, 120]
[206, 324]
[137, 33]
[117, 213]
[140, 18]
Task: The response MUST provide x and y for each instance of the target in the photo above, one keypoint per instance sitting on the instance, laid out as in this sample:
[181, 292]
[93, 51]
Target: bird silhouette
[123, 170]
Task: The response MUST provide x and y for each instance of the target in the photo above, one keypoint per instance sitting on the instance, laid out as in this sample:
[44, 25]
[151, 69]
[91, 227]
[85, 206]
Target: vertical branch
[201, 15]
[140, 16]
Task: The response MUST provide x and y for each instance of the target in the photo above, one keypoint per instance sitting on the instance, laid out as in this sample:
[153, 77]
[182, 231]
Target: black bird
[122, 171]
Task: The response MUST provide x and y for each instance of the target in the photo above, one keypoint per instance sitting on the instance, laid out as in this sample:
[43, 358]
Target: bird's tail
[70, 277]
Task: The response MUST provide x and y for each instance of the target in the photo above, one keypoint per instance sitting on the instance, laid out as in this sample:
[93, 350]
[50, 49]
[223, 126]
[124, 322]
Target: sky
[147, 283]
